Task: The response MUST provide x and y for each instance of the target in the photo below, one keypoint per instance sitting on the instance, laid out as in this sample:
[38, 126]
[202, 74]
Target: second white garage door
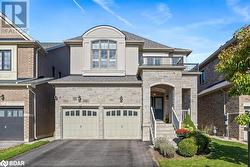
[122, 124]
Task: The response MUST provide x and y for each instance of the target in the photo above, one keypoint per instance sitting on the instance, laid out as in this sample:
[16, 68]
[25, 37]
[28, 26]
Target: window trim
[99, 55]
[202, 77]
[3, 50]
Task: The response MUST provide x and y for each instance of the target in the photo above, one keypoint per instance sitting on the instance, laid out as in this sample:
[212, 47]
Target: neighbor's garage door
[122, 124]
[80, 124]
[11, 124]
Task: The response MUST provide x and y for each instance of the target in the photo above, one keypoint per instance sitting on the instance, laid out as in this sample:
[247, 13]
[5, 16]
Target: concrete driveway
[90, 153]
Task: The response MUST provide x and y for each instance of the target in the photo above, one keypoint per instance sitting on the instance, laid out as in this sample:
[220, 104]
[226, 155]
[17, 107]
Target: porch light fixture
[55, 98]
[121, 99]
[2, 97]
[79, 98]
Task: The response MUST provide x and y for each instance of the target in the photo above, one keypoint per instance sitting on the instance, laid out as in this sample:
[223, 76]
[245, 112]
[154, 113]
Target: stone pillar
[145, 112]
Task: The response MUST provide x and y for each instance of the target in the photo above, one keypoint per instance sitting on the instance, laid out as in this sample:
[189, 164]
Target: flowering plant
[182, 132]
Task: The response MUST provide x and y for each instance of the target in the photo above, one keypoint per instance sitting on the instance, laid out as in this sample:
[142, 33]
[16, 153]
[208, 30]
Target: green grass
[17, 150]
[223, 154]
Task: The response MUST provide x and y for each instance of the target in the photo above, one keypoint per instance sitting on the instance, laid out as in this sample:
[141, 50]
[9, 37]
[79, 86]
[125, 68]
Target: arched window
[103, 54]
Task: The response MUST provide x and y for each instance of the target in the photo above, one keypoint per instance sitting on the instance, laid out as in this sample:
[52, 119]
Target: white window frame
[100, 60]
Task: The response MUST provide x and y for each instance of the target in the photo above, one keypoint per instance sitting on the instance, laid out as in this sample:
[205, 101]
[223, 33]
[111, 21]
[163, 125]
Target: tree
[235, 65]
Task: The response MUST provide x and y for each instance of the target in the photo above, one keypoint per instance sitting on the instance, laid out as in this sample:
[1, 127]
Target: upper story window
[5, 60]
[104, 54]
[202, 77]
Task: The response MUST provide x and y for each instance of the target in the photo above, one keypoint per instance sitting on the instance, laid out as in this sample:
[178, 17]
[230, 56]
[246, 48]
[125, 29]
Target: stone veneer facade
[97, 96]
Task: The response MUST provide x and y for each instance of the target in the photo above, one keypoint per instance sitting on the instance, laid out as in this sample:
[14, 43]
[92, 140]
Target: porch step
[166, 131]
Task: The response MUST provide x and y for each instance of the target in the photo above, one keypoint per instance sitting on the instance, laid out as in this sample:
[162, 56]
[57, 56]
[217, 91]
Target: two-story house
[216, 109]
[122, 86]
[26, 98]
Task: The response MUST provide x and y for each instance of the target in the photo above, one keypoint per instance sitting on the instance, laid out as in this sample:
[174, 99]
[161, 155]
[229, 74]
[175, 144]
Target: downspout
[34, 118]
[37, 50]
[225, 112]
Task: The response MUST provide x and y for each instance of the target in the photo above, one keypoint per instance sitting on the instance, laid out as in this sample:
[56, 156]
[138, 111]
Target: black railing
[167, 61]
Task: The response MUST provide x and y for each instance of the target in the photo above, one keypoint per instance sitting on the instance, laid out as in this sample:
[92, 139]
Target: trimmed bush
[167, 150]
[188, 123]
[202, 141]
[187, 147]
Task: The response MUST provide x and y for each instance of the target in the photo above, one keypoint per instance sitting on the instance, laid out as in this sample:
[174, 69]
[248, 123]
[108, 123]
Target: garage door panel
[122, 124]
[11, 124]
[80, 124]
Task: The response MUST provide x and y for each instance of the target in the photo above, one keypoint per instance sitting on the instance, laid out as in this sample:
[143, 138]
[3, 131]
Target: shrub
[188, 123]
[187, 147]
[160, 140]
[202, 141]
[167, 150]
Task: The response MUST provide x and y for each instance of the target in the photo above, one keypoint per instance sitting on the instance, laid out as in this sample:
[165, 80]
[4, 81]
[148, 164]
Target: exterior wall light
[79, 98]
[2, 97]
[121, 99]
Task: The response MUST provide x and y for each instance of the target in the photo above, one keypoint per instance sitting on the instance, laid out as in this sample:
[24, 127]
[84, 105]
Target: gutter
[34, 118]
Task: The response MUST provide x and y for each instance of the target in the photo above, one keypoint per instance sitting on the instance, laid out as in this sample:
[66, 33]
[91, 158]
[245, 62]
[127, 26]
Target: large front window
[5, 60]
[103, 54]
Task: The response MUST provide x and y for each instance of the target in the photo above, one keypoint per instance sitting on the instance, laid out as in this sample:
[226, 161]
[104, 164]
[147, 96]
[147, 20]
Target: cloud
[211, 22]
[159, 14]
[105, 5]
[242, 10]
[77, 4]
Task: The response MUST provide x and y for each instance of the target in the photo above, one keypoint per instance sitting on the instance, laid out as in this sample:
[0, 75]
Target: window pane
[20, 113]
[77, 113]
[67, 113]
[95, 64]
[135, 113]
[72, 113]
[9, 113]
[1, 113]
[94, 113]
[104, 56]
[14, 113]
[113, 113]
[104, 44]
[112, 54]
[83, 112]
[130, 113]
[118, 112]
[95, 54]
[89, 113]
[112, 45]
[7, 60]
[1, 65]
[95, 45]
[124, 112]
[108, 113]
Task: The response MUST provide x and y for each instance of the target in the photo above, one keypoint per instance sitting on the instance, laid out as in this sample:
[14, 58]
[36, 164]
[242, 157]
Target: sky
[199, 25]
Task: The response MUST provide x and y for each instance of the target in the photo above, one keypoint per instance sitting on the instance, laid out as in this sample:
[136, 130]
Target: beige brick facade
[25, 62]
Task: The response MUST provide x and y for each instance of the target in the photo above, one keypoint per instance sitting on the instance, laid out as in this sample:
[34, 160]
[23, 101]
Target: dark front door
[11, 124]
[157, 104]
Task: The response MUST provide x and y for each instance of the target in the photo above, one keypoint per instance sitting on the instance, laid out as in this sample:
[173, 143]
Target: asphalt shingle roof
[78, 79]
[48, 45]
[132, 37]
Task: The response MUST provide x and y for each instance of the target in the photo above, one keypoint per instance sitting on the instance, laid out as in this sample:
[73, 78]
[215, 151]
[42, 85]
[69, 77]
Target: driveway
[90, 153]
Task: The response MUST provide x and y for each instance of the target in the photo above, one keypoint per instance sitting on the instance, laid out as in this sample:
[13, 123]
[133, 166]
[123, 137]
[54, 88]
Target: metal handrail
[175, 120]
[152, 125]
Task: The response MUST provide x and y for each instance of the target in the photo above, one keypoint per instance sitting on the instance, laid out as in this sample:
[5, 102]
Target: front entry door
[157, 104]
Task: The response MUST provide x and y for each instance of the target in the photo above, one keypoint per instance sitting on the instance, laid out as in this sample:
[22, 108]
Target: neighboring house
[26, 98]
[115, 78]
[216, 110]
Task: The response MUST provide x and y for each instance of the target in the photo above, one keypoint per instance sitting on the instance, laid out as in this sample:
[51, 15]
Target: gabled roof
[51, 45]
[216, 53]
[147, 43]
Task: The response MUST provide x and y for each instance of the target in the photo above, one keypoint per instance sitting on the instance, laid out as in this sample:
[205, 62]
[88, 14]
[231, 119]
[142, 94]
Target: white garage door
[80, 124]
[122, 124]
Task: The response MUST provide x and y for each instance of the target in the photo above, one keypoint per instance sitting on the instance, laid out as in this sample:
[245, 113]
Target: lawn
[223, 154]
[17, 150]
